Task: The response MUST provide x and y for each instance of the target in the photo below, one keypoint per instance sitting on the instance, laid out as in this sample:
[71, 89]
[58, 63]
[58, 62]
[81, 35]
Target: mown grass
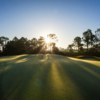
[49, 77]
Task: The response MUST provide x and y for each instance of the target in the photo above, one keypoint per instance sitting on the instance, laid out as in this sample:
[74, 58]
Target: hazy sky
[33, 18]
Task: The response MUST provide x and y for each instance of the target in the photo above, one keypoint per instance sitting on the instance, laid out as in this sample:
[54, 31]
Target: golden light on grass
[22, 60]
[93, 61]
[88, 69]
[62, 85]
[57, 81]
[8, 58]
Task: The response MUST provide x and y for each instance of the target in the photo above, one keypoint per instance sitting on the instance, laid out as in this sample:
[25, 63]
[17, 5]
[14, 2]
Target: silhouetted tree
[34, 42]
[70, 47]
[15, 39]
[16, 46]
[87, 38]
[53, 38]
[54, 48]
[97, 35]
[3, 42]
[41, 45]
[77, 42]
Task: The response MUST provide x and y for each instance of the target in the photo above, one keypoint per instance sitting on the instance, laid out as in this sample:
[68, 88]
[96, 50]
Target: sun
[47, 40]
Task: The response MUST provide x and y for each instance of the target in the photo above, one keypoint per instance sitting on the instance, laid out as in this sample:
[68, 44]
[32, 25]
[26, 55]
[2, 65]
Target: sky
[34, 18]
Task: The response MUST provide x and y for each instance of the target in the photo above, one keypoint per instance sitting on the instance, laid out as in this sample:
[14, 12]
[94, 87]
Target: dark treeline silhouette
[88, 44]
[25, 46]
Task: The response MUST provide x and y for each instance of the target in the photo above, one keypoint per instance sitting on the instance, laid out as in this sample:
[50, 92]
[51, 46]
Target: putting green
[49, 77]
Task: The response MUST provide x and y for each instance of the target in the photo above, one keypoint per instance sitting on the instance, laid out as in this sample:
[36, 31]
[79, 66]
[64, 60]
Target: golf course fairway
[49, 77]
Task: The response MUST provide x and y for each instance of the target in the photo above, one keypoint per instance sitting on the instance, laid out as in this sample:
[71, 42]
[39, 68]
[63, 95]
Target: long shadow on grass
[13, 75]
[25, 79]
[46, 83]
[40, 77]
[85, 76]
[6, 67]
[1, 91]
[6, 63]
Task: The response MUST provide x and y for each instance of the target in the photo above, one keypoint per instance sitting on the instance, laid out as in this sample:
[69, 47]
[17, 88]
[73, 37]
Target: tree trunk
[87, 46]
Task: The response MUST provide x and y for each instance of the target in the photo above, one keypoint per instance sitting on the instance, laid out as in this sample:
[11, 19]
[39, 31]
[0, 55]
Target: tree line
[25, 46]
[88, 44]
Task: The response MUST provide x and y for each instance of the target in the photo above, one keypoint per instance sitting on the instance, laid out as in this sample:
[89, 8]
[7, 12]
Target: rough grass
[49, 77]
